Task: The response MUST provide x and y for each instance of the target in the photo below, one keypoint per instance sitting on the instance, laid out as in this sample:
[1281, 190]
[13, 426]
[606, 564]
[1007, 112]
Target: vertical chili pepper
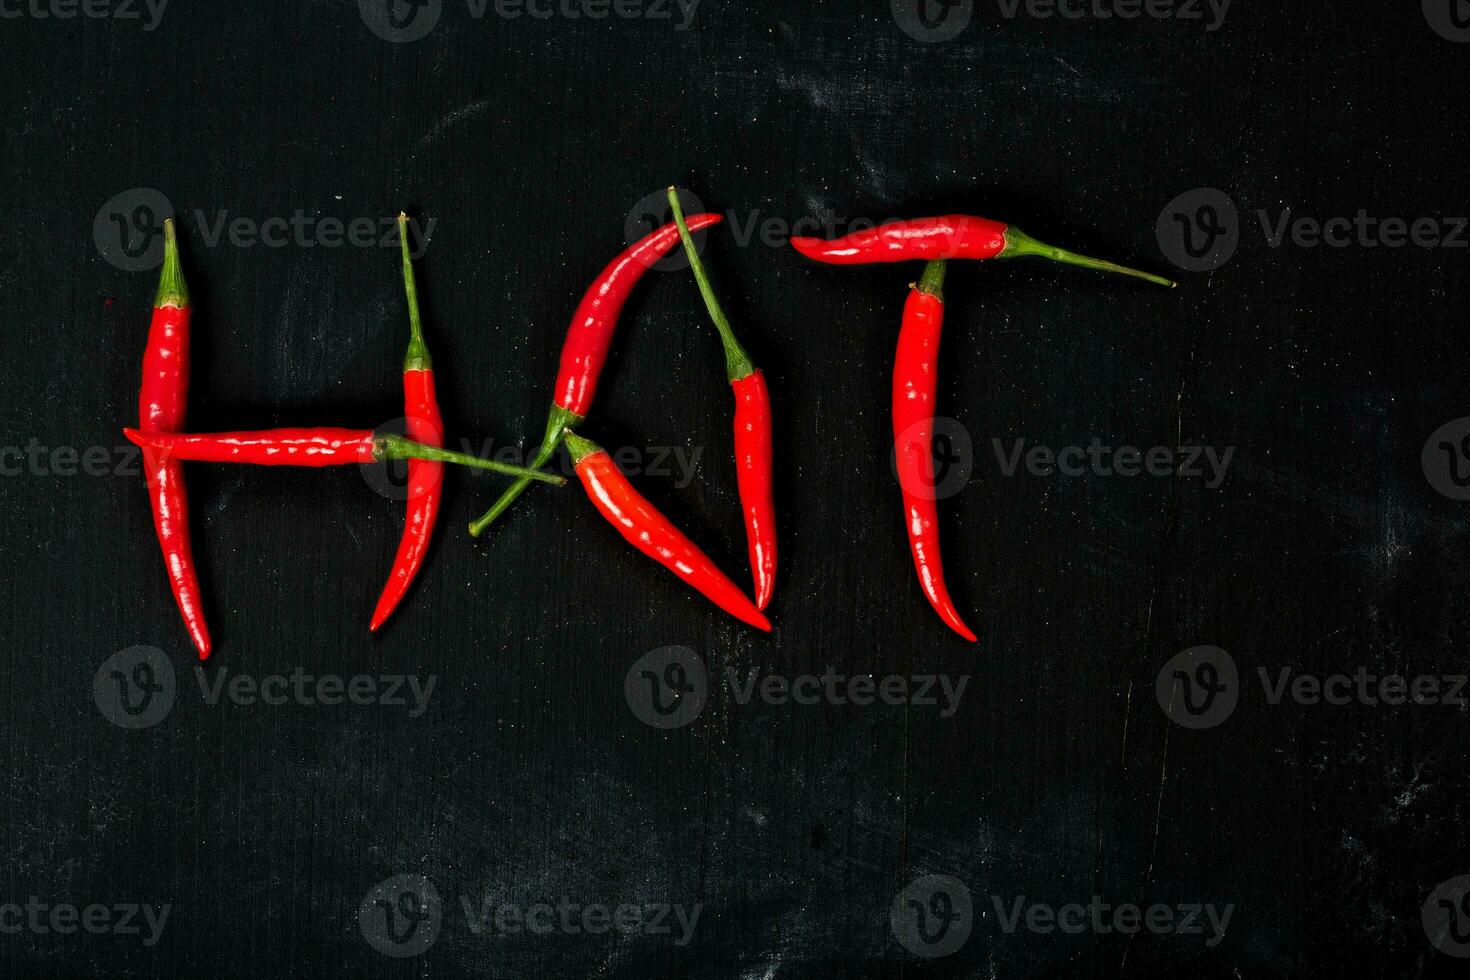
[915, 370]
[752, 429]
[949, 236]
[645, 528]
[162, 399]
[584, 351]
[424, 424]
[313, 447]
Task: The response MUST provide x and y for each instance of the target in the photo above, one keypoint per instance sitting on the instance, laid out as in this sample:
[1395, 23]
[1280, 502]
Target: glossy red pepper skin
[425, 486]
[424, 425]
[644, 527]
[753, 465]
[949, 236]
[915, 370]
[584, 351]
[162, 398]
[318, 446]
[313, 447]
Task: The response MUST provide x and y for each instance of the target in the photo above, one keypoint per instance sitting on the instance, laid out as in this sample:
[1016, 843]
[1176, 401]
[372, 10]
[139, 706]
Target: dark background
[529, 141]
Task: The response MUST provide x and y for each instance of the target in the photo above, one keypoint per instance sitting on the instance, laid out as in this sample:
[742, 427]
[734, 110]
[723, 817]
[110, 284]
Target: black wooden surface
[529, 778]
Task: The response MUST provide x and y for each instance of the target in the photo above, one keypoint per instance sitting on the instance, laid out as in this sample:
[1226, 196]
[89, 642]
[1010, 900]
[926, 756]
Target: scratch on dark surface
[443, 125]
[1066, 66]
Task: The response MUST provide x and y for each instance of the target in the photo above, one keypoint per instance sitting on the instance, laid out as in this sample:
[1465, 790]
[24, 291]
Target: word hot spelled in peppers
[950, 236]
[161, 403]
[915, 367]
[585, 349]
[753, 454]
[648, 530]
[424, 424]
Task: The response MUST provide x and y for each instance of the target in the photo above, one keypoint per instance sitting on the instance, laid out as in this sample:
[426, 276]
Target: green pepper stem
[556, 426]
[580, 448]
[737, 362]
[932, 282]
[417, 358]
[387, 446]
[172, 289]
[1019, 244]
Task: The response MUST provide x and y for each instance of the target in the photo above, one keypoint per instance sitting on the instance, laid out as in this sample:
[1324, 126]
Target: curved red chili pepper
[753, 453]
[162, 397]
[315, 447]
[645, 528]
[949, 236]
[424, 424]
[589, 336]
[915, 367]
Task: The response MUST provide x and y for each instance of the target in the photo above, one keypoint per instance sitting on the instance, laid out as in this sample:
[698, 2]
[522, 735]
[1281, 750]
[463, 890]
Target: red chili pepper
[161, 403]
[584, 351]
[313, 447]
[425, 479]
[648, 530]
[752, 429]
[950, 236]
[915, 366]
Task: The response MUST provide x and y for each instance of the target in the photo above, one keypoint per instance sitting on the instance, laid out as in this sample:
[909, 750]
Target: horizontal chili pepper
[313, 447]
[424, 424]
[645, 528]
[588, 339]
[752, 429]
[950, 236]
[915, 370]
[162, 397]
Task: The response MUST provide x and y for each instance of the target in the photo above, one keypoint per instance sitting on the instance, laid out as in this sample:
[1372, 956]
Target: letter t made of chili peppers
[162, 398]
[424, 425]
[753, 453]
[584, 351]
[915, 366]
